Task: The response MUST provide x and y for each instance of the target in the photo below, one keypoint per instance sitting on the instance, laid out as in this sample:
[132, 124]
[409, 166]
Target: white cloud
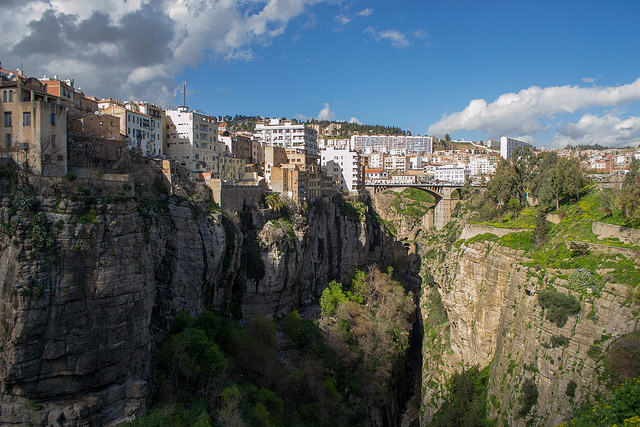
[589, 80]
[326, 113]
[355, 120]
[607, 130]
[365, 12]
[396, 38]
[522, 113]
[133, 48]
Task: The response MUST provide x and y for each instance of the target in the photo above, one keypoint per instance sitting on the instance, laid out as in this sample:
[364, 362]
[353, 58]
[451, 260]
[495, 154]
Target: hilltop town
[53, 128]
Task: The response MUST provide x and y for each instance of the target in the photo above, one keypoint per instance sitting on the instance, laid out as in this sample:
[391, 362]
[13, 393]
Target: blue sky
[552, 72]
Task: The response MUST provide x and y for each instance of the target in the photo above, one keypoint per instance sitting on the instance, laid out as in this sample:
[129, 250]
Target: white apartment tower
[191, 139]
[345, 166]
[508, 146]
[142, 131]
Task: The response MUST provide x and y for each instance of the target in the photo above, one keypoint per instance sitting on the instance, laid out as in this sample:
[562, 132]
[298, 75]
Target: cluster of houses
[53, 127]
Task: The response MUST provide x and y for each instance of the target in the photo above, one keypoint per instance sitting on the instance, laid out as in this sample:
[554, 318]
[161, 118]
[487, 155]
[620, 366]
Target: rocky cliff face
[491, 301]
[85, 291]
[479, 306]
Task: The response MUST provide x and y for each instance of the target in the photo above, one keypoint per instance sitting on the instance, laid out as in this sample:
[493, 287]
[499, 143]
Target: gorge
[93, 282]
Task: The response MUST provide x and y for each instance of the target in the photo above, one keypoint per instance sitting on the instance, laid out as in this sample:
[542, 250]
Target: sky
[552, 72]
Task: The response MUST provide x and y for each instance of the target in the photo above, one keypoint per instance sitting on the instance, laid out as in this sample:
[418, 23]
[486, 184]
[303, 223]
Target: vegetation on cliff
[211, 370]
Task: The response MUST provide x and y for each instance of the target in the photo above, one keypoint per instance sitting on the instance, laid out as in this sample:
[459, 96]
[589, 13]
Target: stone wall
[625, 234]
[471, 230]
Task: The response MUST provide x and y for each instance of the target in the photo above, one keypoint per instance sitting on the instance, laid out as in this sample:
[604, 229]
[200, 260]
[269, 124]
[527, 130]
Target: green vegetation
[528, 398]
[212, 371]
[466, 403]
[620, 407]
[558, 306]
[413, 202]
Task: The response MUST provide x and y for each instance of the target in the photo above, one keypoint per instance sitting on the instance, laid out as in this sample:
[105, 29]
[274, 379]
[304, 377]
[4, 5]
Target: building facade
[34, 125]
[386, 143]
[508, 146]
[345, 167]
[451, 173]
[287, 134]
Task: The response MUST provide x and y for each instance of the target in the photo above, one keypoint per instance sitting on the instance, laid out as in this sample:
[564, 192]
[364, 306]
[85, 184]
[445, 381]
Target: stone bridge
[441, 192]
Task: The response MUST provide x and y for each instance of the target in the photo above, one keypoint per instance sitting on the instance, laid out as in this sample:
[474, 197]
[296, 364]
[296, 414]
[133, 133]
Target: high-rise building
[345, 167]
[508, 146]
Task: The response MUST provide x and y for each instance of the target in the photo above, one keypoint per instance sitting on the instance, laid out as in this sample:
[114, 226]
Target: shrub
[558, 306]
[570, 392]
[559, 341]
[71, 176]
[528, 398]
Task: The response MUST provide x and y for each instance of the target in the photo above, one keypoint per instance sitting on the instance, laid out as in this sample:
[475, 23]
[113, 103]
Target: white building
[376, 160]
[375, 175]
[396, 163]
[287, 134]
[386, 143]
[404, 179]
[191, 139]
[451, 173]
[141, 130]
[508, 146]
[482, 166]
[345, 166]
[415, 162]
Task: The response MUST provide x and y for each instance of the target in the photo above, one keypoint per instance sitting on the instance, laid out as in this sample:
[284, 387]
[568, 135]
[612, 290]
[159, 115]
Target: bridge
[441, 192]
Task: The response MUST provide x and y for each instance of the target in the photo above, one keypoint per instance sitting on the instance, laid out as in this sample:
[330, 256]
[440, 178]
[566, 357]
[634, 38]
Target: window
[7, 119]
[53, 140]
[26, 118]
[53, 119]
[7, 140]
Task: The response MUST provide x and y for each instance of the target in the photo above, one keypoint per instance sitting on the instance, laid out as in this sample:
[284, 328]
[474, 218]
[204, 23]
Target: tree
[274, 201]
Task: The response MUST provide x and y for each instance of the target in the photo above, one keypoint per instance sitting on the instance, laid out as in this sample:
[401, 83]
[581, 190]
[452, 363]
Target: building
[34, 125]
[142, 131]
[368, 144]
[404, 179]
[287, 134]
[375, 175]
[451, 173]
[94, 141]
[482, 166]
[191, 139]
[345, 167]
[239, 145]
[508, 146]
[396, 163]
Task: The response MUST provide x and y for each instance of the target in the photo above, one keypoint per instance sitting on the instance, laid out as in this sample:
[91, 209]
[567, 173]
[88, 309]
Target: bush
[70, 176]
[558, 306]
[570, 392]
[528, 398]
[559, 341]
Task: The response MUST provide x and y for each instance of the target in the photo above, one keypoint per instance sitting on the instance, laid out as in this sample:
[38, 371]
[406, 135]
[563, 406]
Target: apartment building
[34, 124]
[287, 134]
[451, 173]
[368, 144]
[508, 146]
[191, 139]
[345, 167]
[141, 131]
[396, 163]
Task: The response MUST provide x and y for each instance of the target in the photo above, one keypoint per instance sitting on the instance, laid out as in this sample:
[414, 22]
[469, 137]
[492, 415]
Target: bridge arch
[441, 192]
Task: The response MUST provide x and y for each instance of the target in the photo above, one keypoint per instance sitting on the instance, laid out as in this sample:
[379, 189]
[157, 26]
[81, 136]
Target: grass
[525, 219]
[413, 202]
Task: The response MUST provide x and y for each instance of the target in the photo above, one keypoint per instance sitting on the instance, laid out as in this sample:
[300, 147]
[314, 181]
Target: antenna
[184, 93]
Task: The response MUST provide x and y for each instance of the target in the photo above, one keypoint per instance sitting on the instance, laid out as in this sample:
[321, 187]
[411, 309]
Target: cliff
[481, 306]
[494, 317]
[90, 284]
